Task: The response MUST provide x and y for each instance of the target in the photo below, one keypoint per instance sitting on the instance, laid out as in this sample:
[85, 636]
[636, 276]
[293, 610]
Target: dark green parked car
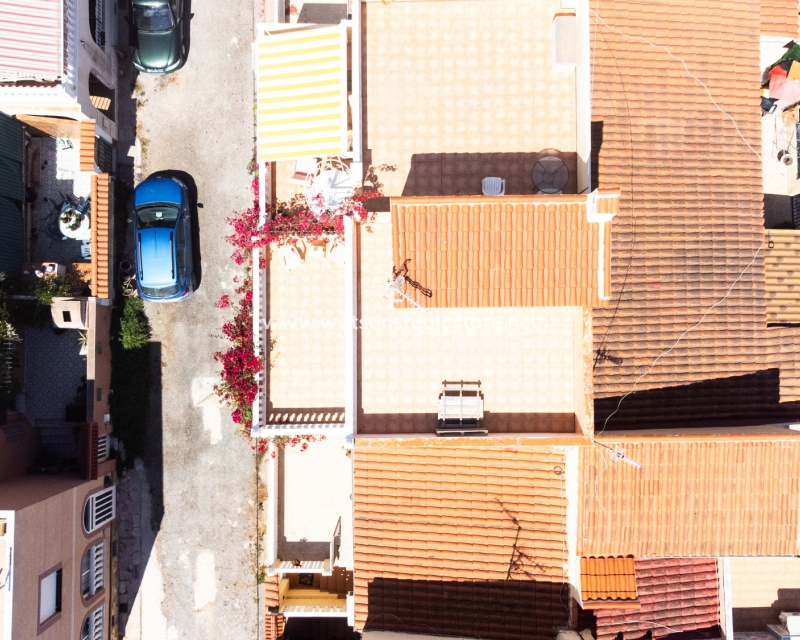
[158, 39]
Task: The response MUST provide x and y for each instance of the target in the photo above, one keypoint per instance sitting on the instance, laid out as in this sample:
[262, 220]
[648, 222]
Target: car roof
[156, 249]
[158, 190]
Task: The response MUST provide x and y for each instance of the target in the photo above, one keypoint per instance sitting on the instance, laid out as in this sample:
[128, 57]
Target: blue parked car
[163, 235]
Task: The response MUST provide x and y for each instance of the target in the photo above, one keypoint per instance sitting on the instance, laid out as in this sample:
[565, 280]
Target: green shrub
[51, 287]
[134, 330]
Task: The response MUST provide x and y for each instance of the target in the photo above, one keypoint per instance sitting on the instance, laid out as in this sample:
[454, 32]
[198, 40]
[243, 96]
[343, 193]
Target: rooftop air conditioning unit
[791, 620]
[461, 410]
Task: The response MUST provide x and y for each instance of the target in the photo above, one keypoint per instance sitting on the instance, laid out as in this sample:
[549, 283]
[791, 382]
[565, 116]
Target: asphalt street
[197, 557]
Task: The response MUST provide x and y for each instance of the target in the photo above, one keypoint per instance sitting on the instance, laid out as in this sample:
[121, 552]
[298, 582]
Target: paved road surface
[198, 567]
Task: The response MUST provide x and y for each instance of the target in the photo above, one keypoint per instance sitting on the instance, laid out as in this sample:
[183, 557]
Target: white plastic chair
[336, 252]
[493, 186]
[290, 256]
[315, 251]
[303, 167]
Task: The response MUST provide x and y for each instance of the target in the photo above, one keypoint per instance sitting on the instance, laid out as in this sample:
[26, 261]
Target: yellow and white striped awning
[302, 93]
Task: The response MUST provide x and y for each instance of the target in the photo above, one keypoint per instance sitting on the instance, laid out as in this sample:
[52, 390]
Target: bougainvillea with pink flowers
[241, 365]
[289, 222]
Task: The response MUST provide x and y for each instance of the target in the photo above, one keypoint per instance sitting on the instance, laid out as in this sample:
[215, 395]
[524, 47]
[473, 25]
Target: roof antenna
[618, 455]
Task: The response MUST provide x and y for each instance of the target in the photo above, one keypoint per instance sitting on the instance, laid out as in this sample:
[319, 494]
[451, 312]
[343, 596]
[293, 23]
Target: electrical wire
[738, 131]
[680, 337]
[658, 624]
[632, 250]
[689, 73]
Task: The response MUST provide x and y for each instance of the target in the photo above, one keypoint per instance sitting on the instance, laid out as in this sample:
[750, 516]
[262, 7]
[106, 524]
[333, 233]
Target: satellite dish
[550, 175]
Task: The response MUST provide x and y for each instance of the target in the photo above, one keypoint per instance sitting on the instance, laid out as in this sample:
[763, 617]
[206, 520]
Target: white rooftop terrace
[310, 504]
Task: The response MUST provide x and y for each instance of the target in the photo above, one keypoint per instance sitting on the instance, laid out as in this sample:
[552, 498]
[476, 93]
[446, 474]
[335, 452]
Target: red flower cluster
[240, 364]
[288, 224]
[281, 442]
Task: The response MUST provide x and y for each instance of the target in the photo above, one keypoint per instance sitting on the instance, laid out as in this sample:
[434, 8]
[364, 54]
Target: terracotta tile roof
[462, 540]
[274, 626]
[272, 597]
[785, 355]
[504, 251]
[693, 496]
[782, 272]
[101, 240]
[676, 594]
[779, 17]
[86, 145]
[608, 578]
[691, 214]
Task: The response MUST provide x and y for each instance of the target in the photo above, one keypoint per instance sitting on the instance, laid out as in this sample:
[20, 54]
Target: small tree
[134, 330]
[50, 287]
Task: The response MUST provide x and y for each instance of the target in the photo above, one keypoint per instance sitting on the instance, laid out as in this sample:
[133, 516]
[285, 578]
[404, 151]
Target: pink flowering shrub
[281, 442]
[240, 363]
[291, 222]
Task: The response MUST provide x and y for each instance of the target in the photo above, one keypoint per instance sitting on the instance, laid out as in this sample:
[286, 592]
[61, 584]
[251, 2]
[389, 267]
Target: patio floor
[457, 91]
[529, 359]
[315, 488]
[305, 381]
[60, 176]
[54, 370]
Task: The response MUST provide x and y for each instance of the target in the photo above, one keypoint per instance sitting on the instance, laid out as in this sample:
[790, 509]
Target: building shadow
[322, 13]
[597, 143]
[461, 174]
[509, 609]
[757, 618]
[140, 506]
[738, 401]
[54, 173]
[187, 29]
[318, 629]
[495, 422]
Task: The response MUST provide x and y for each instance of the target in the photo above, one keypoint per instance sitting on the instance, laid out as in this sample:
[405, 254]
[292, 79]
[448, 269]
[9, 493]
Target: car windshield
[152, 216]
[152, 17]
[161, 292]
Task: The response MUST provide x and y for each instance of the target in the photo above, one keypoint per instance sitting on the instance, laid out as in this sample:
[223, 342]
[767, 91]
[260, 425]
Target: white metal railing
[305, 566]
[70, 47]
[271, 513]
[99, 23]
[334, 611]
[336, 539]
[13, 433]
[102, 447]
[93, 570]
[100, 508]
[94, 625]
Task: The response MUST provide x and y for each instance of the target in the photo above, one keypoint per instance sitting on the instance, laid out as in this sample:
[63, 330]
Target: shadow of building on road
[140, 500]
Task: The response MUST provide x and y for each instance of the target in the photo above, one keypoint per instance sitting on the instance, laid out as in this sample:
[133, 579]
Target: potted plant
[83, 341]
